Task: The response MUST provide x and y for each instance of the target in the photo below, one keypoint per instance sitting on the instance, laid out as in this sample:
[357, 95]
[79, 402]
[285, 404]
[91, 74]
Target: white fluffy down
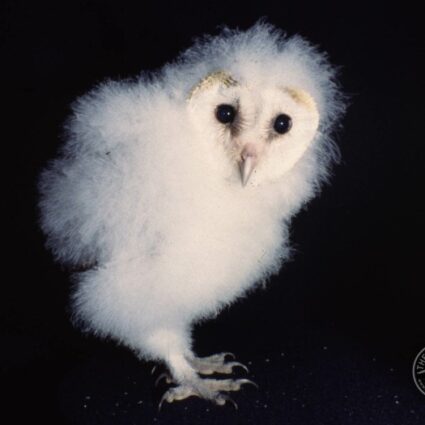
[143, 195]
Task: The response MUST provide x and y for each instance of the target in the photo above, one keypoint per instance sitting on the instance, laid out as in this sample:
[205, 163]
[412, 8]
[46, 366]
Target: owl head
[265, 100]
[263, 129]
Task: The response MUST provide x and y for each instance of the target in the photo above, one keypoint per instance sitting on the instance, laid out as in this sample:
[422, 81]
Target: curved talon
[232, 356]
[154, 369]
[247, 381]
[163, 398]
[238, 364]
[222, 399]
[161, 377]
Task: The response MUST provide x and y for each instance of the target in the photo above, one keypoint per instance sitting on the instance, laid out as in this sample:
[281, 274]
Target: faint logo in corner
[419, 371]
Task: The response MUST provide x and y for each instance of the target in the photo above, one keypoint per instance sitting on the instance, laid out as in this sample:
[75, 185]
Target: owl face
[262, 130]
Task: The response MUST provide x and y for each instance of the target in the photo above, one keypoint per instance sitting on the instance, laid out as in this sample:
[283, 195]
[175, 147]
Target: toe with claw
[216, 364]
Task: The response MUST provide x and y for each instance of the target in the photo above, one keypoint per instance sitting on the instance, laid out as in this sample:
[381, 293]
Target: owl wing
[88, 196]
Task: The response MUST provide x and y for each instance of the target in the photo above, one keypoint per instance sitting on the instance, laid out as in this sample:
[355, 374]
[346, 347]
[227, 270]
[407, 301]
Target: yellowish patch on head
[303, 97]
[220, 77]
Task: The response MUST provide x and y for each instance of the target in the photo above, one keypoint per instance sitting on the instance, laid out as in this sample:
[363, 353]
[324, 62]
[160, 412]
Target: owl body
[180, 241]
[178, 187]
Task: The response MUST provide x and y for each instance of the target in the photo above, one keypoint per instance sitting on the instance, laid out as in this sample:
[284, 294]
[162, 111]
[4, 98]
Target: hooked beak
[246, 168]
[247, 164]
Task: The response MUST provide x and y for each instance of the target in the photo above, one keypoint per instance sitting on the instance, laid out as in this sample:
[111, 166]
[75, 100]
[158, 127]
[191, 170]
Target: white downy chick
[173, 192]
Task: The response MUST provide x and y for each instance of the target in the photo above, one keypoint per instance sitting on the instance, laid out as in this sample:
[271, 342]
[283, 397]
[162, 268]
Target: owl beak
[248, 163]
[246, 168]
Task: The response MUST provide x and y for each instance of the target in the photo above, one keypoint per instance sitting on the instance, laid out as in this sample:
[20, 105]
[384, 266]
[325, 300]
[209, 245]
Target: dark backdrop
[333, 338]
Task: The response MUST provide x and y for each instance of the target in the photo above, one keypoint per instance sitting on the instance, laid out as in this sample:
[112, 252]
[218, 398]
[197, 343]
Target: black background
[333, 337]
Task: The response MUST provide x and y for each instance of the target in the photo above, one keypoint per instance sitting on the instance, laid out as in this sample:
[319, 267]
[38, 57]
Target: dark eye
[282, 124]
[225, 113]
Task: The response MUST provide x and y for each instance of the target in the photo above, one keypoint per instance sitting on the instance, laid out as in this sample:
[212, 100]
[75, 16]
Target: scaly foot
[209, 389]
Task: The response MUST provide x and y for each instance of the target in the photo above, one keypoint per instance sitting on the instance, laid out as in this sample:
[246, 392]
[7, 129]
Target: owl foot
[208, 389]
[215, 364]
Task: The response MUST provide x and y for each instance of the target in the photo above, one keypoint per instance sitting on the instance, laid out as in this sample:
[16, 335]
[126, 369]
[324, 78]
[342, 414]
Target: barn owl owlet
[173, 192]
